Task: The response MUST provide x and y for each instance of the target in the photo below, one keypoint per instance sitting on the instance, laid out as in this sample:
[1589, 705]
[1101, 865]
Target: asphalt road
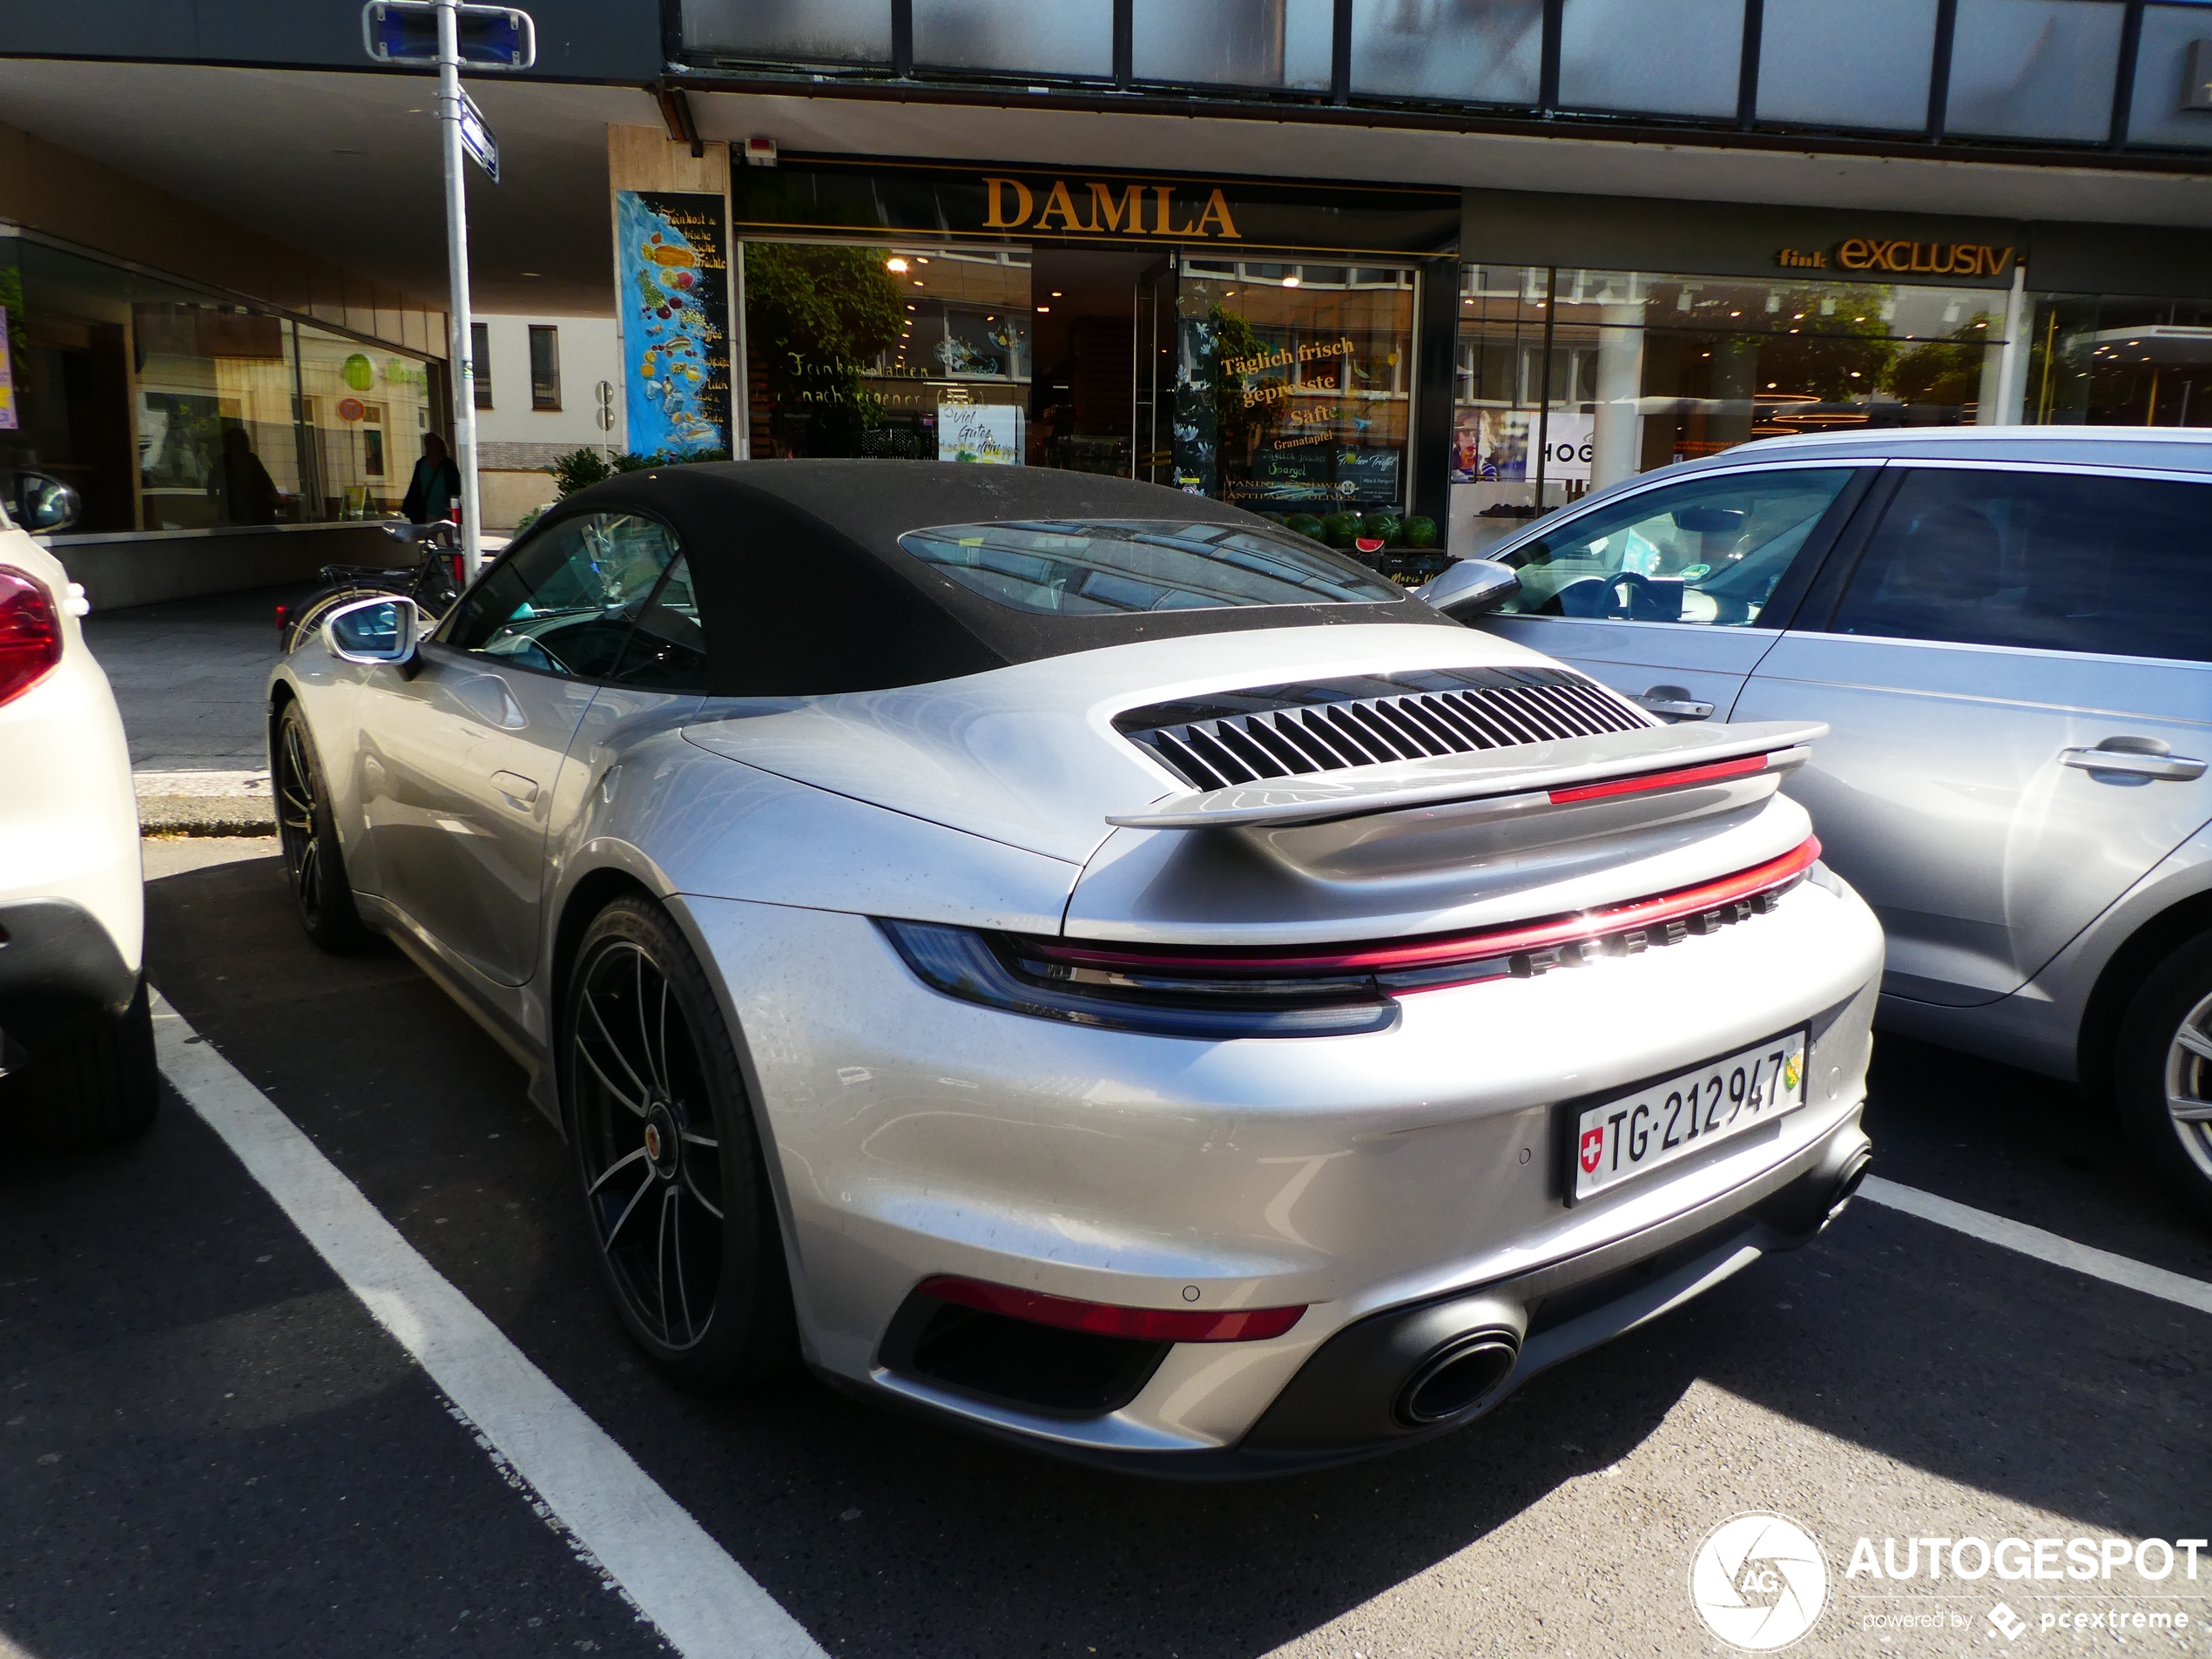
[208, 1448]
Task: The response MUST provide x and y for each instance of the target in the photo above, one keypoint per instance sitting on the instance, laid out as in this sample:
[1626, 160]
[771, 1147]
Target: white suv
[77, 1061]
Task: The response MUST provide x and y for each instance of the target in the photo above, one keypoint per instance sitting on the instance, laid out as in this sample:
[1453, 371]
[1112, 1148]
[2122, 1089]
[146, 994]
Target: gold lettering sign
[1903, 257]
[1009, 205]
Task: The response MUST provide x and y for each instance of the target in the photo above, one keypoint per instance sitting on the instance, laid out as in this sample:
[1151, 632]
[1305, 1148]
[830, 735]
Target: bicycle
[434, 582]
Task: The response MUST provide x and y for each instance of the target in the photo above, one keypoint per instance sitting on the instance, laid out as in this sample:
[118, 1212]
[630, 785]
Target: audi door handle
[2169, 768]
[1675, 700]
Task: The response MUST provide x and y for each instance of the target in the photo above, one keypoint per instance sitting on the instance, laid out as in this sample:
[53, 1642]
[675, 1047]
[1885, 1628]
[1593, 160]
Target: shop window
[1233, 42]
[169, 410]
[819, 32]
[1570, 380]
[480, 362]
[1292, 388]
[2116, 361]
[1682, 58]
[1070, 37]
[2034, 69]
[1865, 65]
[2161, 72]
[1487, 51]
[920, 352]
[545, 367]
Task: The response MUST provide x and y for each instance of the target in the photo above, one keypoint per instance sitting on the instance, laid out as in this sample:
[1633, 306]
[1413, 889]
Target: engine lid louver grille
[1327, 725]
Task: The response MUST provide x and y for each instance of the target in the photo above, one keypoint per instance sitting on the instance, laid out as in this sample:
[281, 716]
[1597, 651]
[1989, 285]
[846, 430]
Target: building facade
[1460, 261]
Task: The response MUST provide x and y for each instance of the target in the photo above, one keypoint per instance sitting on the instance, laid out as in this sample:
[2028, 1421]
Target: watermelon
[1337, 530]
[1419, 532]
[1380, 527]
[1305, 524]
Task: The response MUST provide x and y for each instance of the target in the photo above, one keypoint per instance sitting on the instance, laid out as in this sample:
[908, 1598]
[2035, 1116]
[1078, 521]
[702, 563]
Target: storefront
[1286, 347]
[169, 407]
[1601, 337]
[1472, 357]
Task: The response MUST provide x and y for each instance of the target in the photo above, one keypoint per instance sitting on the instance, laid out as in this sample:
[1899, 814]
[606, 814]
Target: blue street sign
[406, 31]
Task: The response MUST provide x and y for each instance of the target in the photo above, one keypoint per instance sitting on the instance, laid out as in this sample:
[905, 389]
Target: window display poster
[1493, 446]
[986, 432]
[8, 418]
[673, 271]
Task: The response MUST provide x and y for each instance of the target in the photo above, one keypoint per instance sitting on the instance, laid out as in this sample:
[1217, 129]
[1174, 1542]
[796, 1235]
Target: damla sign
[1095, 207]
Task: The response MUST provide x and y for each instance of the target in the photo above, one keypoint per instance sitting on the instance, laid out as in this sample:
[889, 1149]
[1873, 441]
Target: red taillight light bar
[30, 633]
[1460, 949]
[1647, 782]
[1102, 1318]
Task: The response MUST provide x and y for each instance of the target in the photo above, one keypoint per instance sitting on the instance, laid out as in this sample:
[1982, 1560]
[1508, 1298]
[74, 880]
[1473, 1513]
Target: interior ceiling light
[1055, 293]
[894, 263]
[910, 308]
[1044, 308]
[918, 283]
[1289, 282]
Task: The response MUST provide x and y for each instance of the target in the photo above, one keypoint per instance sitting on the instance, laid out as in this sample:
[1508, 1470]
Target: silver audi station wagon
[1080, 960]
[2008, 631]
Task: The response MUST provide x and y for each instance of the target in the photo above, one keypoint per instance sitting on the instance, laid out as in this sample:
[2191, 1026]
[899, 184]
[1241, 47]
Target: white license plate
[1631, 1135]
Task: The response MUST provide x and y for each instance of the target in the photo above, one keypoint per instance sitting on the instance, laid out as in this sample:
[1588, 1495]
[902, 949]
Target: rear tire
[669, 1163]
[2162, 1074]
[313, 859]
[97, 1086]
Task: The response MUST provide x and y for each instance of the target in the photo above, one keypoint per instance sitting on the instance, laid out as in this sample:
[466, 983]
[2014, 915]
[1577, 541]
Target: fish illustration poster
[673, 265]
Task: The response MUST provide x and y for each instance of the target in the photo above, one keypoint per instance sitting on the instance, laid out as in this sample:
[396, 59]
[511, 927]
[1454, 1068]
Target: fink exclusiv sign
[1901, 256]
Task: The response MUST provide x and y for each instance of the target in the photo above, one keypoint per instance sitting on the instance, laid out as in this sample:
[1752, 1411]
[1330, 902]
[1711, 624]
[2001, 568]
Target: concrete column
[2012, 362]
[1617, 431]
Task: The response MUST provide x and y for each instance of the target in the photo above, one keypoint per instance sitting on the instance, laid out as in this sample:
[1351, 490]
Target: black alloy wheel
[668, 1157]
[312, 859]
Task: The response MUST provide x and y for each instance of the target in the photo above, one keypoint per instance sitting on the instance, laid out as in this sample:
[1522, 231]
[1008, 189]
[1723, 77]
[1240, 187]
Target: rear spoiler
[1503, 782]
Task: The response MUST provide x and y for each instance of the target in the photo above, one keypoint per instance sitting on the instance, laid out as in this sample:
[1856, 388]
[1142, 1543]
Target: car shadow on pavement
[888, 1535]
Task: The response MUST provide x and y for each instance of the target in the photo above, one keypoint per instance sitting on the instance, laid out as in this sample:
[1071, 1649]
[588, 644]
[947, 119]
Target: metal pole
[464, 375]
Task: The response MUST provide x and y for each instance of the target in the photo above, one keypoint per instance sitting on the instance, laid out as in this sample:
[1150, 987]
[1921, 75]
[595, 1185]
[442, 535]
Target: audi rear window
[1122, 566]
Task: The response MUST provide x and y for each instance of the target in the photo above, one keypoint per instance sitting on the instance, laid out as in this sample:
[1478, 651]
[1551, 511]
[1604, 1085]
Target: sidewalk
[189, 678]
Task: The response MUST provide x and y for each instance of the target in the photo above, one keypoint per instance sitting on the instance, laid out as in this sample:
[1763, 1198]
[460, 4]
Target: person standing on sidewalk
[436, 486]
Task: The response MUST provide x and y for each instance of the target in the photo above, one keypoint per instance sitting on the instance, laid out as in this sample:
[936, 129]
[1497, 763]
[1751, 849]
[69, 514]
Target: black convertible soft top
[804, 589]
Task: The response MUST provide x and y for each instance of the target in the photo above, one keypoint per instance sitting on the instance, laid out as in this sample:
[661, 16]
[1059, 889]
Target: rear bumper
[1342, 1405]
[57, 963]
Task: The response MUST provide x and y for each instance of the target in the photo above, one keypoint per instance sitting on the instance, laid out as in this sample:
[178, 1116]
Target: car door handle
[1675, 700]
[515, 787]
[2135, 763]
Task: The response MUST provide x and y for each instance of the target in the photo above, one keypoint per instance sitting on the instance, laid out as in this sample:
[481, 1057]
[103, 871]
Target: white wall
[588, 356]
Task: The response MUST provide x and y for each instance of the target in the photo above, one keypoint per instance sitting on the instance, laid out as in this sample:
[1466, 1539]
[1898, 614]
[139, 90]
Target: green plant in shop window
[1944, 371]
[819, 318]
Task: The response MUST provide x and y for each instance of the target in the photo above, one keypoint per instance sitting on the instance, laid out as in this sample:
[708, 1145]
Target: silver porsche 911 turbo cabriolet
[1079, 959]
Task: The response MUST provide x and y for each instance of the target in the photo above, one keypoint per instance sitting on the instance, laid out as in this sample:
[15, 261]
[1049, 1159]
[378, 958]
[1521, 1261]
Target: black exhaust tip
[1847, 1184]
[1457, 1378]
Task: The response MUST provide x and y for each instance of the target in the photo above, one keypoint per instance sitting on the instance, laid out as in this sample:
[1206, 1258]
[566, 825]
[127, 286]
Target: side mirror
[373, 630]
[37, 501]
[1471, 587]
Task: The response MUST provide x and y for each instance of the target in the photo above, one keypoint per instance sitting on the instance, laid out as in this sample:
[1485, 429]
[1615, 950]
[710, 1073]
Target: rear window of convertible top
[1105, 566]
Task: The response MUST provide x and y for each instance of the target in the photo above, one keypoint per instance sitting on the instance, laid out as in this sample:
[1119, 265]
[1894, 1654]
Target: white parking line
[703, 1604]
[2045, 1247]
